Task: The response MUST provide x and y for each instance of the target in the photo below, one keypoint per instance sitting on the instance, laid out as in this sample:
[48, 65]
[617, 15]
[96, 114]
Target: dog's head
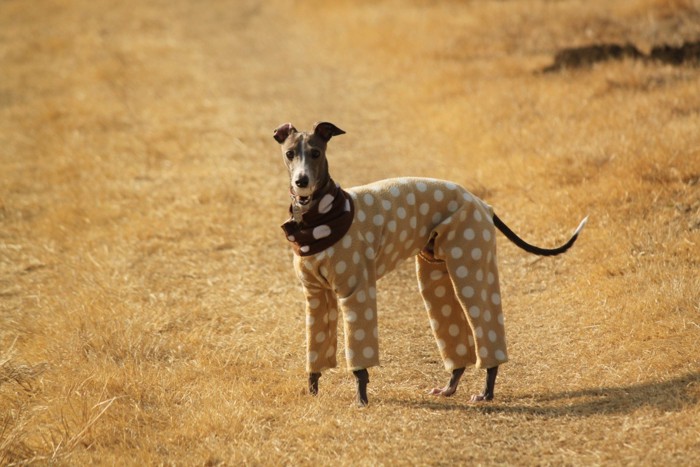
[305, 157]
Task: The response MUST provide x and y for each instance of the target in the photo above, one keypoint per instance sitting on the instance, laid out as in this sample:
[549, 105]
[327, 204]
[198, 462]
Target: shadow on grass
[668, 396]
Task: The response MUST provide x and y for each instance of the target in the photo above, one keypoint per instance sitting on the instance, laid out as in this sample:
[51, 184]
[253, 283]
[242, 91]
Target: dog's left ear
[282, 132]
[326, 130]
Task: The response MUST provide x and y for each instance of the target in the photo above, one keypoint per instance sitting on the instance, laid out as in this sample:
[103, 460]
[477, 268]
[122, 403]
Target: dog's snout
[302, 182]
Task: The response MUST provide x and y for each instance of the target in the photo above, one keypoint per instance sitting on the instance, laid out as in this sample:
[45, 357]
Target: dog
[345, 240]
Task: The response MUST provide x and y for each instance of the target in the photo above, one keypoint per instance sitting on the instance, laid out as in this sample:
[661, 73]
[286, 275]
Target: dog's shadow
[668, 396]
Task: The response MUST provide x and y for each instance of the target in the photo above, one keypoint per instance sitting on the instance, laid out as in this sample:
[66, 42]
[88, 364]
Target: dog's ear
[326, 130]
[282, 132]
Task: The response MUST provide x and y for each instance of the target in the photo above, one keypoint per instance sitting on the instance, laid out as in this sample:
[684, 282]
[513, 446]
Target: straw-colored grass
[149, 313]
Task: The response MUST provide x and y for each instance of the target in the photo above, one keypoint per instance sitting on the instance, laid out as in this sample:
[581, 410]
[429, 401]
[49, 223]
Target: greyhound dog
[345, 240]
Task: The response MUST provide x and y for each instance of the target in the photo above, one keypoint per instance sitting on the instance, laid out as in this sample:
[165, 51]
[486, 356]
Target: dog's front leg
[362, 378]
[487, 395]
[313, 383]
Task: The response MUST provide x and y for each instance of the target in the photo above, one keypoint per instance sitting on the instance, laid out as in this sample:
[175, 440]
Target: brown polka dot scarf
[324, 224]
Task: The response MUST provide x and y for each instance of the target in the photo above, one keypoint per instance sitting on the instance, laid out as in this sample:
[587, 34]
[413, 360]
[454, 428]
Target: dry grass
[148, 310]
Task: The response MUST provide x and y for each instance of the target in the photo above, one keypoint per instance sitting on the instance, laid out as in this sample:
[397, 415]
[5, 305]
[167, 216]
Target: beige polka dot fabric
[457, 274]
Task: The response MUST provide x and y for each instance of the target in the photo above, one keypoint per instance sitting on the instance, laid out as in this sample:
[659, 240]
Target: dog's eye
[315, 153]
[290, 155]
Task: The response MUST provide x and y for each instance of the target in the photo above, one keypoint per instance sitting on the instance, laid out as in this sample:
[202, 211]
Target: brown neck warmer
[328, 220]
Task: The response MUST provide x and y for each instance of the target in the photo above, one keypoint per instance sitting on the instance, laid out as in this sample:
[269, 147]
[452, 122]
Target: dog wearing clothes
[345, 240]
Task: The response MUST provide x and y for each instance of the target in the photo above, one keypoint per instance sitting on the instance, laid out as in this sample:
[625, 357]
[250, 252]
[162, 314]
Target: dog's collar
[328, 219]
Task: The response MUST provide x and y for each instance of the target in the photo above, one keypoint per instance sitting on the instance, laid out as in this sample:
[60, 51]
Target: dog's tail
[535, 249]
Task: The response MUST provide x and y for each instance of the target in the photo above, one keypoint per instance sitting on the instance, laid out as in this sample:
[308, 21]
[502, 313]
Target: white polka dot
[349, 354]
[314, 303]
[461, 350]
[456, 253]
[391, 226]
[361, 216]
[476, 254]
[347, 241]
[359, 334]
[451, 186]
[479, 332]
[325, 204]
[438, 195]
[423, 230]
[469, 234]
[480, 275]
[446, 310]
[356, 258]
[434, 324]
[424, 208]
[341, 267]
[313, 356]
[291, 238]
[500, 355]
[378, 220]
[352, 282]
[350, 316]
[333, 315]
[452, 206]
[492, 336]
[451, 236]
[435, 275]
[361, 296]
[470, 340]
[468, 292]
[437, 217]
[483, 295]
[372, 291]
[439, 291]
[368, 352]
[483, 352]
[381, 269]
[474, 312]
[403, 236]
[462, 272]
[477, 215]
[454, 330]
[413, 222]
[347, 205]
[496, 299]
[441, 344]
[389, 248]
[486, 234]
[421, 186]
[369, 253]
[369, 199]
[395, 192]
[467, 197]
[369, 236]
[330, 251]
[310, 320]
[320, 337]
[490, 278]
[330, 352]
[411, 199]
[449, 364]
[304, 249]
[487, 316]
[369, 314]
[386, 204]
[401, 213]
[501, 319]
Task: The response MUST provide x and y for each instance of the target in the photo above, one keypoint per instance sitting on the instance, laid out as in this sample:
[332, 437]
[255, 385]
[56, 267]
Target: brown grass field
[149, 313]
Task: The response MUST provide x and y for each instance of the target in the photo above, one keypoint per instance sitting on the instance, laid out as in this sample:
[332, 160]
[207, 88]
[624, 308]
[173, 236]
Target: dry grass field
[149, 313]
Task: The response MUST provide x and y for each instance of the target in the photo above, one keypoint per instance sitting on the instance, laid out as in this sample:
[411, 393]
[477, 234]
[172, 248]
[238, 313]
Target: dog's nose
[302, 182]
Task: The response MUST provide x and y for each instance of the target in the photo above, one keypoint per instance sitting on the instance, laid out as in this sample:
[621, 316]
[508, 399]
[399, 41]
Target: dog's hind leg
[452, 333]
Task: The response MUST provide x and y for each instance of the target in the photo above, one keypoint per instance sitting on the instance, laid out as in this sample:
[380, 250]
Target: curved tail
[535, 249]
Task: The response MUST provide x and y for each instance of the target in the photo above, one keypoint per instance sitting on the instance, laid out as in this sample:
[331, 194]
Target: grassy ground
[148, 309]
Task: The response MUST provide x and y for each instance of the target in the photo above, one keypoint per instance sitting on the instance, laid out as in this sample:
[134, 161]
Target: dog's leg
[362, 378]
[313, 383]
[451, 387]
[487, 395]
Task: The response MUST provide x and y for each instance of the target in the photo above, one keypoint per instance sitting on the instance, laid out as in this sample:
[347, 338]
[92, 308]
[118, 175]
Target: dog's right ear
[282, 132]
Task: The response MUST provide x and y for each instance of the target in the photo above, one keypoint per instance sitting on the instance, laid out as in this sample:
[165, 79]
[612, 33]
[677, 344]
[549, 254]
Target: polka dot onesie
[451, 232]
